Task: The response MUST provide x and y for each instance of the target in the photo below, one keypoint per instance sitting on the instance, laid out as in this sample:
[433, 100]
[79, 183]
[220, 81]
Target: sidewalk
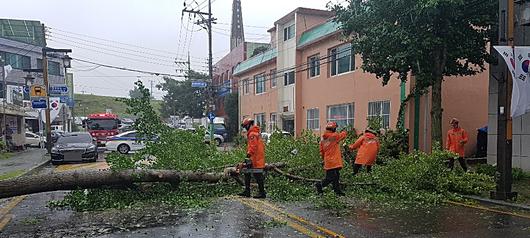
[21, 162]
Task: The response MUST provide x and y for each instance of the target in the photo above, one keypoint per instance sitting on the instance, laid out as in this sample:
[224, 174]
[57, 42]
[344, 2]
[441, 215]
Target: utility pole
[208, 27]
[4, 92]
[151, 81]
[504, 124]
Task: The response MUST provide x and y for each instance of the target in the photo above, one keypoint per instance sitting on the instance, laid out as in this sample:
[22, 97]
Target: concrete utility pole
[208, 26]
[4, 92]
[504, 124]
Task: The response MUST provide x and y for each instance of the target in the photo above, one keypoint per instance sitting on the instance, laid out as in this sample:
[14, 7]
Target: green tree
[428, 38]
[181, 99]
[135, 93]
[232, 112]
[147, 123]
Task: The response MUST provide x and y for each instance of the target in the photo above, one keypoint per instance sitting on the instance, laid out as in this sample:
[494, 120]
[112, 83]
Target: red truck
[102, 125]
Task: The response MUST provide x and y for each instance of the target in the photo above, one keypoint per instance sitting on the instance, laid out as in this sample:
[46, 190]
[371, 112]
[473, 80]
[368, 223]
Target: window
[245, 86]
[15, 60]
[288, 78]
[259, 80]
[313, 119]
[273, 124]
[314, 66]
[273, 78]
[54, 68]
[380, 109]
[341, 59]
[288, 32]
[260, 120]
[341, 114]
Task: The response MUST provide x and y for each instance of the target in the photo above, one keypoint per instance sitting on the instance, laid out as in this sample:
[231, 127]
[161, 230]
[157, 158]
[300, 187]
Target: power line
[263, 27]
[129, 69]
[121, 43]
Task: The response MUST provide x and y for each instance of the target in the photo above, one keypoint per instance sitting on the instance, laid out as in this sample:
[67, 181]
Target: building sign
[37, 91]
[15, 95]
[70, 84]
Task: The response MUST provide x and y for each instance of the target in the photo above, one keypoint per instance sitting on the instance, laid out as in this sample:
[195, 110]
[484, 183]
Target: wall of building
[357, 87]
[464, 98]
[252, 103]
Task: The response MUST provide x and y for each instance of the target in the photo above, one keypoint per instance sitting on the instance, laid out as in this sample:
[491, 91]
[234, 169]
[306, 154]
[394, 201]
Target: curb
[38, 166]
[497, 202]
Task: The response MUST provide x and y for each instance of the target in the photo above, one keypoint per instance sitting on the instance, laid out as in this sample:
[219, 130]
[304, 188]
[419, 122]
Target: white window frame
[334, 61]
[288, 32]
[261, 123]
[246, 87]
[285, 78]
[314, 68]
[376, 108]
[274, 79]
[259, 80]
[313, 123]
[350, 115]
[273, 122]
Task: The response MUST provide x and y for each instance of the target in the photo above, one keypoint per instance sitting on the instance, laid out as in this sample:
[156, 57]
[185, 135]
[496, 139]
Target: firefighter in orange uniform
[456, 140]
[332, 158]
[255, 162]
[368, 146]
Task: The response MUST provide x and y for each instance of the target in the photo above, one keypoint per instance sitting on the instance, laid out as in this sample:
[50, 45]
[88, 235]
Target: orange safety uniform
[368, 146]
[330, 149]
[456, 139]
[255, 148]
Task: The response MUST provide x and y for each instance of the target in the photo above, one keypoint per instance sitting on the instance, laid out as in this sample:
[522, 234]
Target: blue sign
[223, 91]
[211, 116]
[64, 99]
[198, 84]
[59, 89]
[26, 89]
[38, 104]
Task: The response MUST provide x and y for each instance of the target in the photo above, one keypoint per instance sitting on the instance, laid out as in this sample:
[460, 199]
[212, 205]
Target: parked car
[220, 129]
[74, 147]
[35, 140]
[125, 143]
[217, 138]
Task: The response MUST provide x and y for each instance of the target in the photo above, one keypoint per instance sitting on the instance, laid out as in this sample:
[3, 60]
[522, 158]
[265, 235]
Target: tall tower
[237, 36]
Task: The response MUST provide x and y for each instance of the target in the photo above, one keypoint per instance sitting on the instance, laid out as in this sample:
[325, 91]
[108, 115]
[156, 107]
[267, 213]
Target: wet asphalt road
[23, 160]
[237, 217]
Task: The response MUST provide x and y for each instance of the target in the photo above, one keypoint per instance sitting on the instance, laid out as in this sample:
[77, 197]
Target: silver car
[74, 147]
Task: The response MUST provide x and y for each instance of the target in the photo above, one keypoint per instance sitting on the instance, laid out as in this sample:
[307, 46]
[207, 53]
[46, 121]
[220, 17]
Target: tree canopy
[181, 99]
[428, 38]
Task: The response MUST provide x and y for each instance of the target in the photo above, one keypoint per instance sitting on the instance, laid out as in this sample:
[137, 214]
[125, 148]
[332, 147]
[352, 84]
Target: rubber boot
[261, 185]
[245, 193]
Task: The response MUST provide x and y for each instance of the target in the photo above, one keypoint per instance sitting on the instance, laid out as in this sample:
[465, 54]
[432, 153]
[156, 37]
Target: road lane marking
[5, 217]
[489, 209]
[276, 217]
[4, 221]
[300, 219]
[69, 167]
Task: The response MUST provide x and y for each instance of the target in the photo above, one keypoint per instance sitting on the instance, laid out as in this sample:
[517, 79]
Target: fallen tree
[84, 179]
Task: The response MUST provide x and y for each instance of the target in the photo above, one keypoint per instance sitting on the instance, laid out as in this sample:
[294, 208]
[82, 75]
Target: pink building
[310, 76]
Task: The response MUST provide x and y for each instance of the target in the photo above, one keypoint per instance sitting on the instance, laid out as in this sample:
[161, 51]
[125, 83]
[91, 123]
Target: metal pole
[4, 92]
[47, 110]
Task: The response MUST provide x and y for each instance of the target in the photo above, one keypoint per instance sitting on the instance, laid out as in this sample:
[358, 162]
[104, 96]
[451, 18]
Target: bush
[491, 170]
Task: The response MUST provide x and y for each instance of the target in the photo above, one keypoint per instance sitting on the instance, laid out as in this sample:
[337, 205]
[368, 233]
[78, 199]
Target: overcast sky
[142, 34]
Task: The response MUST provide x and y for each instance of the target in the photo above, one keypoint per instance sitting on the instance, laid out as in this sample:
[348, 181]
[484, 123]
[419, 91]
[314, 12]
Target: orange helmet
[247, 121]
[331, 125]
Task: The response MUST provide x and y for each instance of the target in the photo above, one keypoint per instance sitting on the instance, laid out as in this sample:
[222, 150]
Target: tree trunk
[83, 179]
[436, 111]
[436, 107]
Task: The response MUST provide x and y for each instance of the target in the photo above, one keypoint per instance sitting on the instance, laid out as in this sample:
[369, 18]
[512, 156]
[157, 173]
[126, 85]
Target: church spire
[237, 35]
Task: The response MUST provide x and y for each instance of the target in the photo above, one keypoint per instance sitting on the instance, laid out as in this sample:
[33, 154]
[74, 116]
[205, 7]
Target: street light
[67, 62]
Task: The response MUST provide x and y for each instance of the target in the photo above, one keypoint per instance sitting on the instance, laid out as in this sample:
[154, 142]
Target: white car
[33, 139]
[124, 143]
[267, 136]
[219, 139]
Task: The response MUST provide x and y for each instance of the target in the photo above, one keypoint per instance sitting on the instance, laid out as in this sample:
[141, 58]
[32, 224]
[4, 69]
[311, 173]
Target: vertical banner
[70, 84]
[518, 61]
[521, 82]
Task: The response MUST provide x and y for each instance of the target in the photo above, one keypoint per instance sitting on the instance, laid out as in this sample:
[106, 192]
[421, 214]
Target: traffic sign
[198, 84]
[64, 99]
[211, 116]
[59, 89]
[38, 104]
[26, 89]
[37, 91]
